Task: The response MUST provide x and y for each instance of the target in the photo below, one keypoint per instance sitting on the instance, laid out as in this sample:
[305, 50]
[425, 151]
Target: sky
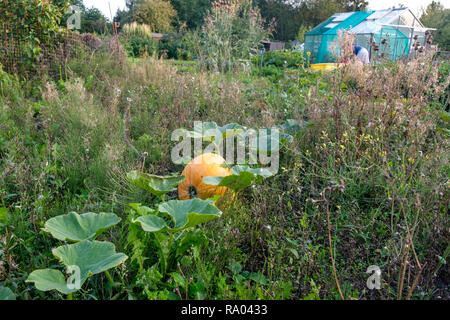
[103, 5]
[414, 5]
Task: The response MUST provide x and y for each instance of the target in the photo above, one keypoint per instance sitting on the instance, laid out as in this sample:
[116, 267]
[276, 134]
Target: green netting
[312, 44]
[314, 37]
[396, 44]
[328, 37]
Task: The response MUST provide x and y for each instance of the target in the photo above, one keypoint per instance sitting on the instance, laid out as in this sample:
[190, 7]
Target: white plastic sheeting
[374, 23]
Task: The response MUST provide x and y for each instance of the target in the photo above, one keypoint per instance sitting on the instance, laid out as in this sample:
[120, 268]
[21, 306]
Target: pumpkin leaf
[49, 279]
[185, 214]
[209, 131]
[189, 213]
[74, 227]
[231, 130]
[259, 172]
[156, 185]
[151, 223]
[6, 294]
[92, 257]
[236, 183]
[206, 131]
[142, 210]
[242, 177]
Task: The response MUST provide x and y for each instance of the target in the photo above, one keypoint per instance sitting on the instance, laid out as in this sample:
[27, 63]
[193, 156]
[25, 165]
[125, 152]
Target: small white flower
[129, 100]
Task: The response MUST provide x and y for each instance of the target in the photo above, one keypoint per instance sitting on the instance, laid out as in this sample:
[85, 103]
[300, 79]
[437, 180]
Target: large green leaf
[151, 223]
[258, 172]
[142, 210]
[242, 177]
[49, 279]
[189, 213]
[92, 257]
[209, 131]
[156, 185]
[185, 214]
[236, 183]
[6, 294]
[231, 130]
[74, 227]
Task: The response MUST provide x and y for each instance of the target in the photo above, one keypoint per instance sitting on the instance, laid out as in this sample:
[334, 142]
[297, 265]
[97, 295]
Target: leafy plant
[185, 214]
[74, 227]
[156, 185]
[170, 233]
[241, 178]
[172, 229]
[90, 257]
[281, 59]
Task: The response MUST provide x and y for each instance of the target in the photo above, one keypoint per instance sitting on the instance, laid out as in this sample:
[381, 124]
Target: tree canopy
[294, 17]
[436, 16]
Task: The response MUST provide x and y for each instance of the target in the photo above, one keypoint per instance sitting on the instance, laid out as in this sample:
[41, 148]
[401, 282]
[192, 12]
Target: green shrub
[281, 59]
[137, 46]
[174, 46]
[138, 40]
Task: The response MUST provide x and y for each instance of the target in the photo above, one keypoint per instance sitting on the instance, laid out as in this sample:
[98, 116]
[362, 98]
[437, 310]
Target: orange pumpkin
[205, 165]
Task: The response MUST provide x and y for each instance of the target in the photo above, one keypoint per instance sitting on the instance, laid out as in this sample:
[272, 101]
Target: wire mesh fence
[18, 56]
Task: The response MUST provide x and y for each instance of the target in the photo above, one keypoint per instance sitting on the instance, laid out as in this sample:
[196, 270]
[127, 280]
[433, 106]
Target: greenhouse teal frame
[389, 33]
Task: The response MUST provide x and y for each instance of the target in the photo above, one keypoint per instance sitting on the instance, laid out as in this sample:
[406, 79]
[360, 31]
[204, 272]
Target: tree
[355, 5]
[127, 15]
[293, 16]
[35, 20]
[301, 33]
[287, 15]
[93, 21]
[191, 12]
[436, 16]
[158, 14]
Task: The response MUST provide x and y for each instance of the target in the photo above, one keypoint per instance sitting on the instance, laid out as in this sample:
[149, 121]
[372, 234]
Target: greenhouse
[389, 33]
